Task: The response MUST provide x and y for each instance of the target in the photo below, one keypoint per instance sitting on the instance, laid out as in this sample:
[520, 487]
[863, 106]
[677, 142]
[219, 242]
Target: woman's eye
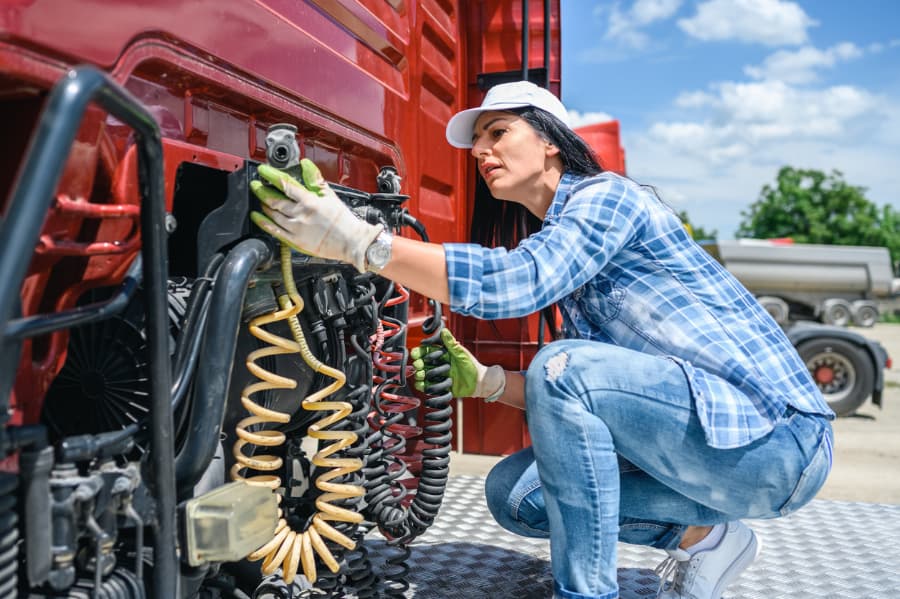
[496, 133]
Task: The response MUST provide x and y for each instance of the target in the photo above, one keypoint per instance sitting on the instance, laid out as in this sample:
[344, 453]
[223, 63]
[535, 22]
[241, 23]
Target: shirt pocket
[600, 300]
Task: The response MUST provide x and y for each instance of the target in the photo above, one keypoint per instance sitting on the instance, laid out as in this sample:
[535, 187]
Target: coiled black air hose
[9, 535]
[400, 515]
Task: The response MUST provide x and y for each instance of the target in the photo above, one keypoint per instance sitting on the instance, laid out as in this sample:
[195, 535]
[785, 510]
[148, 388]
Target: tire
[843, 372]
[837, 312]
[865, 313]
[776, 307]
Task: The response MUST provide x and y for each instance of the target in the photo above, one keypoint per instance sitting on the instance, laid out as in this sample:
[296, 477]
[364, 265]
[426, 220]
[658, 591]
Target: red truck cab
[133, 277]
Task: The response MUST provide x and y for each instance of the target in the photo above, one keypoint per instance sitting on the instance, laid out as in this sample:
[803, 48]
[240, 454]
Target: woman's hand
[470, 377]
[309, 217]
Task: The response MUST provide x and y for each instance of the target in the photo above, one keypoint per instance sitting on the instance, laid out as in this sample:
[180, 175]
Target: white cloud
[581, 119]
[768, 22]
[731, 139]
[740, 117]
[625, 26]
[694, 99]
[714, 194]
[800, 66]
[648, 11]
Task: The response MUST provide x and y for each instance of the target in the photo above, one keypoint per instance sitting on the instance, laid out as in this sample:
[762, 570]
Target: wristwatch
[378, 254]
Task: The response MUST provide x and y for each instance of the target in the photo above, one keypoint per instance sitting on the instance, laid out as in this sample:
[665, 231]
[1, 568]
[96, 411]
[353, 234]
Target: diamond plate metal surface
[827, 550]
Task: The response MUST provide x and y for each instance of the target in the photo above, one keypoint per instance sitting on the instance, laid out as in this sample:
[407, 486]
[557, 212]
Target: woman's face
[513, 159]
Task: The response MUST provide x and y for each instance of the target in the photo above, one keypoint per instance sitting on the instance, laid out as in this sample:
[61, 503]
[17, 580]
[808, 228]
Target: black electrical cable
[417, 226]
[360, 577]
[194, 322]
[386, 494]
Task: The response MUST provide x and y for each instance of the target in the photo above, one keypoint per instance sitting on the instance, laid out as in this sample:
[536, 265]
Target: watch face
[379, 253]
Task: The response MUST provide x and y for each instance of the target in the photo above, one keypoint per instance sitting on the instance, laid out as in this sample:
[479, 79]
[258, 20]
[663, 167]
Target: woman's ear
[550, 149]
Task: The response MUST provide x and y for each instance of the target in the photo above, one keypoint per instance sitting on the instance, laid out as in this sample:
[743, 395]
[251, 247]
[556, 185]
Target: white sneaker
[706, 574]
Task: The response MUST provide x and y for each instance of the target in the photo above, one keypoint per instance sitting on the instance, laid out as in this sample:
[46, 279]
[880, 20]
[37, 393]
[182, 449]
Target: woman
[675, 406]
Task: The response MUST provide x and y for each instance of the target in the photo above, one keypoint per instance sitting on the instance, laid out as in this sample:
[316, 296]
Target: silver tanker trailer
[833, 284]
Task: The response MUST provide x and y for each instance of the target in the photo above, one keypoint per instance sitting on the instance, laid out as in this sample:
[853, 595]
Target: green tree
[810, 206]
[697, 232]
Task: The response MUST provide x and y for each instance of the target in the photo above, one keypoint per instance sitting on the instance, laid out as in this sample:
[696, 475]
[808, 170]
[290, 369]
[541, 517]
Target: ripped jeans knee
[592, 372]
[559, 365]
[551, 361]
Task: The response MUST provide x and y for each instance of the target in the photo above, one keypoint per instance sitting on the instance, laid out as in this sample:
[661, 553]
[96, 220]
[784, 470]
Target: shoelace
[666, 569]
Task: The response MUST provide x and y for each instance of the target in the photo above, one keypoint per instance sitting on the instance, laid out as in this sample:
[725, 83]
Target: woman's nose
[479, 149]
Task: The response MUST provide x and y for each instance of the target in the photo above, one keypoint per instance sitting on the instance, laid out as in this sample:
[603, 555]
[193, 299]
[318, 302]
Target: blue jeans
[618, 454]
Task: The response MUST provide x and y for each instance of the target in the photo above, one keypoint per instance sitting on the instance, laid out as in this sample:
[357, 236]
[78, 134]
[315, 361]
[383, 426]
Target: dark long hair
[500, 223]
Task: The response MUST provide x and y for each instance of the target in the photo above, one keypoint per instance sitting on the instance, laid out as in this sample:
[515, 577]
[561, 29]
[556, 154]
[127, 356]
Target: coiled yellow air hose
[291, 549]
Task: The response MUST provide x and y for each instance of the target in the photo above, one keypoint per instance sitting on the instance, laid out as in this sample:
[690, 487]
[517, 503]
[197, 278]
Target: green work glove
[309, 217]
[470, 377]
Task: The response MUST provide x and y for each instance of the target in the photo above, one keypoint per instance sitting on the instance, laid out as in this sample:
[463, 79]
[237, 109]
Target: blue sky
[714, 96]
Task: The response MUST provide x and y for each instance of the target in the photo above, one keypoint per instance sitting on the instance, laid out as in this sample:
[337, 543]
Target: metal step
[828, 549]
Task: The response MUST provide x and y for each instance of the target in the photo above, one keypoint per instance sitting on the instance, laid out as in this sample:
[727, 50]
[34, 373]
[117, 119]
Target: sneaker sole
[747, 557]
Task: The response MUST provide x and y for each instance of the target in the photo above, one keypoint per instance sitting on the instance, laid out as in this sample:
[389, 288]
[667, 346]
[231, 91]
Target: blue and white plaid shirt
[625, 271]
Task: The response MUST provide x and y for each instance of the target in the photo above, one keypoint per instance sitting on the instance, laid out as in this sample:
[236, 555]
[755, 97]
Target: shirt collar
[563, 190]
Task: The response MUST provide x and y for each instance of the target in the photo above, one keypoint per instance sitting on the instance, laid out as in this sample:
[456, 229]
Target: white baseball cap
[505, 96]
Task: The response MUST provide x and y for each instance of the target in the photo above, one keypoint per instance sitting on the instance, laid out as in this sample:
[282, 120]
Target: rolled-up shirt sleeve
[598, 218]
[465, 268]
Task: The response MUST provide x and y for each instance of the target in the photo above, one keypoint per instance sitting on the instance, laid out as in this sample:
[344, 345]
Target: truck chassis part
[108, 498]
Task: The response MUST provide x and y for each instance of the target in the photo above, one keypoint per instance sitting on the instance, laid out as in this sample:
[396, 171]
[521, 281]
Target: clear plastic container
[229, 523]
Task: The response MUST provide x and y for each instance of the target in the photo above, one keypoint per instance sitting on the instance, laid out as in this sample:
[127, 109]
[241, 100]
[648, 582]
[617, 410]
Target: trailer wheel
[837, 312]
[843, 372]
[776, 307]
[865, 313]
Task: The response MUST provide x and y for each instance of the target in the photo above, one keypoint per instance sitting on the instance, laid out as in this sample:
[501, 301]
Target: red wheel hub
[824, 375]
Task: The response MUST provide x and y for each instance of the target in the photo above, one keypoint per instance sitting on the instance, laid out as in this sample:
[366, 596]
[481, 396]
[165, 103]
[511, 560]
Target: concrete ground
[867, 444]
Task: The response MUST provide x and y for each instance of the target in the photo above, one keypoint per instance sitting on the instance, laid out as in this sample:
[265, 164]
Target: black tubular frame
[40, 324]
[19, 231]
[526, 26]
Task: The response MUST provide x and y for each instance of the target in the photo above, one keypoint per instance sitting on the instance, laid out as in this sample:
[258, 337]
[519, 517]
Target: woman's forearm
[422, 267]
[419, 266]
[514, 395]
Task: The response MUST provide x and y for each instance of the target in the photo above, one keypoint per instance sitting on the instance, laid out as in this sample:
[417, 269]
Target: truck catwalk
[817, 552]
